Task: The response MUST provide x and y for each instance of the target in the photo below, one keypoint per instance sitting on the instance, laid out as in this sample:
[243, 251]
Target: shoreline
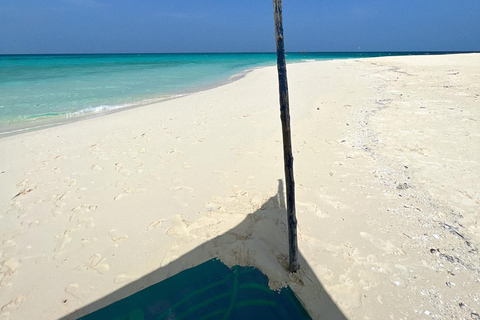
[386, 177]
[18, 127]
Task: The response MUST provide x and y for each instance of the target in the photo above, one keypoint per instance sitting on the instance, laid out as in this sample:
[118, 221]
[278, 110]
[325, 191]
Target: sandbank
[388, 205]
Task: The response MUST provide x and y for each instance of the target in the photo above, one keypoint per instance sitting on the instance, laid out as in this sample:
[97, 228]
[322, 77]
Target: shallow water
[39, 90]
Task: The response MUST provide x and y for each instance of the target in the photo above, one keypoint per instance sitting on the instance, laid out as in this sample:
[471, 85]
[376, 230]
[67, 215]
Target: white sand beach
[387, 184]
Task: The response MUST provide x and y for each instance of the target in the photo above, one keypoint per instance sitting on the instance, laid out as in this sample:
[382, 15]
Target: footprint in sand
[59, 205]
[60, 197]
[14, 303]
[120, 169]
[154, 224]
[179, 228]
[95, 167]
[97, 263]
[23, 183]
[8, 244]
[83, 222]
[120, 196]
[16, 206]
[8, 269]
[84, 208]
[29, 223]
[386, 246]
[77, 210]
[86, 241]
[73, 289]
[49, 198]
[117, 236]
[63, 239]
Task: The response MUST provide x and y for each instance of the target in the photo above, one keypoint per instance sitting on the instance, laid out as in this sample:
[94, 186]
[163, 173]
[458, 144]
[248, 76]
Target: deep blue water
[36, 89]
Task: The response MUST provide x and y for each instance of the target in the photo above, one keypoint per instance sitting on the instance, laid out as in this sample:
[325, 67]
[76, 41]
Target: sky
[155, 26]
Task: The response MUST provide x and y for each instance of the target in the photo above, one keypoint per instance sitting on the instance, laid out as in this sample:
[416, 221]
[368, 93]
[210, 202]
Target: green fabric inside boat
[208, 291]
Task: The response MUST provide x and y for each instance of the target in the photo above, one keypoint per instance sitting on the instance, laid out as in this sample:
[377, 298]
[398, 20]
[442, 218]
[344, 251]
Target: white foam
[106, 108]
[101, 108]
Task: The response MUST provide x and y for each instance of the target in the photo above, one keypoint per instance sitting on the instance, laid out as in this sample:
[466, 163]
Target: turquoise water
[43, 89]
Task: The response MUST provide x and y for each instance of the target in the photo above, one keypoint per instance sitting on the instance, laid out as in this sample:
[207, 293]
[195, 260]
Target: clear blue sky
[102, 26]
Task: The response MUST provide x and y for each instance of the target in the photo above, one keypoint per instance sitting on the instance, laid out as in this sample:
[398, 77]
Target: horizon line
[239, 52]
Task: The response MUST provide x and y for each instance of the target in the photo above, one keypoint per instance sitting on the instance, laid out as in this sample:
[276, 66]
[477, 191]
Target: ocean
[43, 90]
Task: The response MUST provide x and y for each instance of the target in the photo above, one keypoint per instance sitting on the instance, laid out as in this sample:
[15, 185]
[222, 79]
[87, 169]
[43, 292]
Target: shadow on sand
[260, 240]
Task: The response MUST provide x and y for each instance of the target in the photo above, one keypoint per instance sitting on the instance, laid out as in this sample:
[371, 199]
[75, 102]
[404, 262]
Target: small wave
[107, 108]
[49, 119]
[308, 60]
[101, 108]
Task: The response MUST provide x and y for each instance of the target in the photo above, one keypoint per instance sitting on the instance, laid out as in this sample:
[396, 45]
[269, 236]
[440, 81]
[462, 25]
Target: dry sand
[386, 166]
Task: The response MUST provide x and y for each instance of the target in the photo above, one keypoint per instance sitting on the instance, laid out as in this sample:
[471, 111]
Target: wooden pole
[287, 143]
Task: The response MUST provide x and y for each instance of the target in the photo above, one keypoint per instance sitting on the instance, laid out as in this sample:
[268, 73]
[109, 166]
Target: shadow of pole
[260, 240]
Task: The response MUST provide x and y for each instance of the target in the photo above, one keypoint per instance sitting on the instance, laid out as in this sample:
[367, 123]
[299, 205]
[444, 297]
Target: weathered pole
[287, 141]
